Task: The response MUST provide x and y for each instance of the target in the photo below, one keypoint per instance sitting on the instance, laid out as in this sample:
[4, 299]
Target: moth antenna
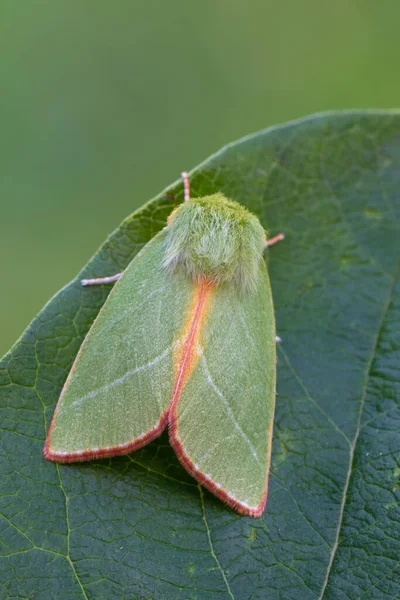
[274, 240]
[186, 185]
[101, 280]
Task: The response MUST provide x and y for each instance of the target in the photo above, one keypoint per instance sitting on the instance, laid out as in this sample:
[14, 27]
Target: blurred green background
[104, 103]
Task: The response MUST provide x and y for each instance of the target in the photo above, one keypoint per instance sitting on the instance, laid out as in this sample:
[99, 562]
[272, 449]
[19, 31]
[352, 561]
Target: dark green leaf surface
[138, 527]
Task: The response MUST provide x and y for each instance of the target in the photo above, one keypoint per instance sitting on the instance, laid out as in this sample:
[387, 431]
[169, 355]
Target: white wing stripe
[113, 384]
[229, 410]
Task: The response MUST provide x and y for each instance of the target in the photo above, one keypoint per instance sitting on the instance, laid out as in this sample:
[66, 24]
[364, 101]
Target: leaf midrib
[359, 427]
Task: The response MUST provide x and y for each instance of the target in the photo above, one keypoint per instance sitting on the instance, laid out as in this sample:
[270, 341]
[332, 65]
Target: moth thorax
[216, 239]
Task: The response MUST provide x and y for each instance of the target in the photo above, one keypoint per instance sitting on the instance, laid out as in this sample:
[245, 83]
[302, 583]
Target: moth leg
[186, 185]
[101, 280]
[274, 240]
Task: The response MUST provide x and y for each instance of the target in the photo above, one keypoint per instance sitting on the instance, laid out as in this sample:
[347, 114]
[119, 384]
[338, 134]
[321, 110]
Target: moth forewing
[221, 424]
[117, 394]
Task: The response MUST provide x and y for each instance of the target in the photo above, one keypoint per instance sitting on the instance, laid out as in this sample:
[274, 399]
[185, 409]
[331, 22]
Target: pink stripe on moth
[186, 357]
[145, 438]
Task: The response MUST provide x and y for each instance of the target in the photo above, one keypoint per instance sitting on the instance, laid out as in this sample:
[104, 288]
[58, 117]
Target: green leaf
[138, 527]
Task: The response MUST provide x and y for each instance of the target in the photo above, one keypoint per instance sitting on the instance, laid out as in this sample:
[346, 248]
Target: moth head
[216, 239]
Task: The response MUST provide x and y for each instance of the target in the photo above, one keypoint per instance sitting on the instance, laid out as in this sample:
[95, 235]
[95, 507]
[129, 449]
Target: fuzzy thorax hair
[216, 239]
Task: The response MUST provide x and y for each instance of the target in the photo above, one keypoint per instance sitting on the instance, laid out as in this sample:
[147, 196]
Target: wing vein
[119, 380]
[229, 410]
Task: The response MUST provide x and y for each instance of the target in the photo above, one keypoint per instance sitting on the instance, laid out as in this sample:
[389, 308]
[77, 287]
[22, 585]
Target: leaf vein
[211, 544]
[68, 556]
[358, 430]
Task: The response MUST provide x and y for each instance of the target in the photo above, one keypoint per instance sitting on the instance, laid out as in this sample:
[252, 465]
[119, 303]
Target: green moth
[186, 339]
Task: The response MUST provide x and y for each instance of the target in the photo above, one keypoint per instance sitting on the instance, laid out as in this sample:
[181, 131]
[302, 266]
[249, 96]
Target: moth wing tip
[209, 483]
